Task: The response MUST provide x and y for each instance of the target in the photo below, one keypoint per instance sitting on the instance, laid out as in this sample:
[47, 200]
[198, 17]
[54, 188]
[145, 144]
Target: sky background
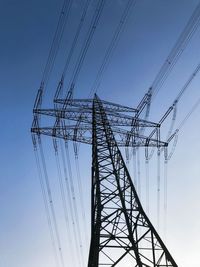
[26, 32]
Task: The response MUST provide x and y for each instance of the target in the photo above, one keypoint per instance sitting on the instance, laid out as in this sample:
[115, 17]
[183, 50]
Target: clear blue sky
[26, 32]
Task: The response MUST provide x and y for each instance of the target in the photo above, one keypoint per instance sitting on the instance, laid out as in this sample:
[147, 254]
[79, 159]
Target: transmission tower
[121, 233]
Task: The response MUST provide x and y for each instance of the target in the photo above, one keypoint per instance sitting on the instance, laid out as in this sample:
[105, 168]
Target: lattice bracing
[121, 233]
[125, 122]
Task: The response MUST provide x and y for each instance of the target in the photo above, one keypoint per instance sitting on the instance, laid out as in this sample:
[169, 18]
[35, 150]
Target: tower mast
[121, 233]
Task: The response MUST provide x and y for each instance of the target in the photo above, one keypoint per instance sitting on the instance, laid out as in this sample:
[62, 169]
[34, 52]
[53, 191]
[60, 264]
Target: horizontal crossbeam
[83, 134]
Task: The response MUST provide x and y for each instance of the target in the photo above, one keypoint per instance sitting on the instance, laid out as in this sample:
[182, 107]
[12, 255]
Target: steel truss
[125, 122]
[121, 233]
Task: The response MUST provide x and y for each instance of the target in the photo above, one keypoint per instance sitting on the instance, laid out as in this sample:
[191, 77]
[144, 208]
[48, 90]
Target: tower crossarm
[80, 111]
[83, 134]
[88, 103]
[85, 115]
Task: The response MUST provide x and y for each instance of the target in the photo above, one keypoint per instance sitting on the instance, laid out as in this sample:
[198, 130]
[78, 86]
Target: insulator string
[181, 125]
[165, 196]
[138, 172]
[158, 189]
[173, 147]
[147, 185]
[134, 168]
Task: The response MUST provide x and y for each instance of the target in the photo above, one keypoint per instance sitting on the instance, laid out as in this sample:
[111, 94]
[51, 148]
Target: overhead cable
[194, 107]
[80, 188]
[72, 49]
[52, 208]
[177, 50]
[64, 201]
[46, 205]
[66, 7]
[112, 45]
[72, 189]
[71, 207]
[138, 171]
[74, 43]
[89, 36]
[185, 119]
[56, 40]
[165, 197]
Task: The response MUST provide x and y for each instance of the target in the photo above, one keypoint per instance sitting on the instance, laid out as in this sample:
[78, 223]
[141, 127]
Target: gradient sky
[26, 30]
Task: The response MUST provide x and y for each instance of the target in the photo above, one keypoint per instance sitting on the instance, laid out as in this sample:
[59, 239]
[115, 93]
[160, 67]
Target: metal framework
[121, 233]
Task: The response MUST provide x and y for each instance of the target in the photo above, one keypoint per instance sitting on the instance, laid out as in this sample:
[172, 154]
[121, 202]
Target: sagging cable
[52, 208]
[70, 198]
[48, 216]
[80, 188]
[63, 198]
[71, 182]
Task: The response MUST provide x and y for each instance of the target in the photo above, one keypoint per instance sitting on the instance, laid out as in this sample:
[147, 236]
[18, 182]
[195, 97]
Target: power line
[174, 105]
[74, 43]
[112, 46]
[74, 200]
[72, 49]
[175, 137]
[181, 125]
[83, 52]
[53, 51]
[165, 196]
[80, 188]
[51, 201]
[174, 108]
[177, 50]
[56, 40]
[70, 198]
[194, 107]
[63, 198]
[48, 216]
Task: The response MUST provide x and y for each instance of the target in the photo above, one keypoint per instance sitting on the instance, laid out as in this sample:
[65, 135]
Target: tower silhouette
[121, 233]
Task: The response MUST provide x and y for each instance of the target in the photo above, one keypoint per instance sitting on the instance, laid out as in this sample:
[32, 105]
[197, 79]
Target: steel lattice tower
[121, 233]
[120, 227]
